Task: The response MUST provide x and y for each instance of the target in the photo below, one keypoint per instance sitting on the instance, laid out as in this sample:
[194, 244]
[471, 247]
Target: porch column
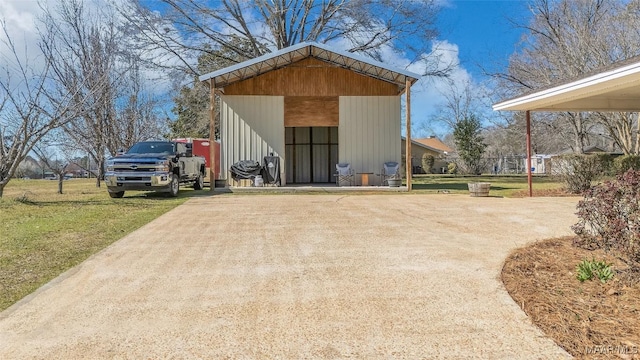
[408, 142]
[528, 116]
[212, 135]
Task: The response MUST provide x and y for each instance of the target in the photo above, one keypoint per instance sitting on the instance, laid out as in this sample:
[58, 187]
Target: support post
[409, 165]
[212, 135]
[528, 116]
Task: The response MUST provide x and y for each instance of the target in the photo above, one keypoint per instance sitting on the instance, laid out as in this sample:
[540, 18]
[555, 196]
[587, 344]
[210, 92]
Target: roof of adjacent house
[591, 149]
[427, 146]
[435, 143]
[287, 56]
[615, 87]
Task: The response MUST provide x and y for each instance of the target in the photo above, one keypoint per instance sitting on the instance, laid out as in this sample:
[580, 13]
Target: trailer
[201, 147]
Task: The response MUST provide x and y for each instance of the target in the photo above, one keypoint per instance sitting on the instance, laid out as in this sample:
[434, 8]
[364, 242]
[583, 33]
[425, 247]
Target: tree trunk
[100, 172]
[60, 179]
[2, 185]
[637, 148]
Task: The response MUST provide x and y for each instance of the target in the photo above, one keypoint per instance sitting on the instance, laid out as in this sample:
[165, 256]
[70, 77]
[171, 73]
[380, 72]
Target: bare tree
[29, 108]
[187, 29]
[461, 101]
[137, 118]
[59, 167]
[568, 39]
[81, 52]
[87, 47]
[547, 136]
[192, 37]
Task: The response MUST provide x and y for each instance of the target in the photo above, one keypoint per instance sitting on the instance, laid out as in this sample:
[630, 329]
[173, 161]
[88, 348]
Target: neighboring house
[432, 146]
[435, 143]
[312, 106]
[29, 168]
[593, 149]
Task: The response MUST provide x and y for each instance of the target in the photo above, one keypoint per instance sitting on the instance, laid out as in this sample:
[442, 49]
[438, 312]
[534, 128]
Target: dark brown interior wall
[311, 111]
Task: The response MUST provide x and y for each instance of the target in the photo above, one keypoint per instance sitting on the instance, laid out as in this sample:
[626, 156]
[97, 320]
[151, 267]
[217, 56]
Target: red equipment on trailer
[201, 148]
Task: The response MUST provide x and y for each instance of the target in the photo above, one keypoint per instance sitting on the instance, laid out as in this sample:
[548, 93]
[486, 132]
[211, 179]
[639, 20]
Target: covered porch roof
[284, 57]
[614, 88]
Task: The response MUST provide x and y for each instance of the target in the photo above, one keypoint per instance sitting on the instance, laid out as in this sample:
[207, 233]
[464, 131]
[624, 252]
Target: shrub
[590, 269]
[452, 168]
[609, 218]
[427, 162]
[577, 171]
[626, 162]
[607, 167]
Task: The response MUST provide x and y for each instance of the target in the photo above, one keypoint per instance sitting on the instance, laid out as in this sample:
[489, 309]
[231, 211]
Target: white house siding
[252, 127]
[369, 132]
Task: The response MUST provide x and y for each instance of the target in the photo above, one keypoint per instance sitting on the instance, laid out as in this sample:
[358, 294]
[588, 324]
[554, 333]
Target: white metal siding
[369, 132]
[252, 127]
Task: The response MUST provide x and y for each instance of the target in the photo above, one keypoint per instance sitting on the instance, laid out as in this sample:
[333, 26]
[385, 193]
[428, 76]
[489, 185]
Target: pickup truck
[160, 166]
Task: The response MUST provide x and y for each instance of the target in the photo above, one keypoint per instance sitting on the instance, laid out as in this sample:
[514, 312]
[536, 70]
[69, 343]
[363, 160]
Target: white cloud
[427, 93]
[18, 18]
[19, 14]
[21, 19]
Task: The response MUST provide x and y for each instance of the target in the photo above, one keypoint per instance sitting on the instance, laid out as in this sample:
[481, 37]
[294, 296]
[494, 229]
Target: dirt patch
[559, 192]
[590, 319]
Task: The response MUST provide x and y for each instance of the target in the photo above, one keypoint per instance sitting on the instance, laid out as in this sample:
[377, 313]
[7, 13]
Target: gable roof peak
[284, 57]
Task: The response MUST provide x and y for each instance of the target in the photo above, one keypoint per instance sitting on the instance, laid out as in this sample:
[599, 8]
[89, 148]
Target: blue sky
[483, 31]
[481, 34]
[474, 32]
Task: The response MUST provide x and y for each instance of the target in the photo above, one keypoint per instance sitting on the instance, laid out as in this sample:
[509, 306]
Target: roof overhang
[292, 54]
[617, 89]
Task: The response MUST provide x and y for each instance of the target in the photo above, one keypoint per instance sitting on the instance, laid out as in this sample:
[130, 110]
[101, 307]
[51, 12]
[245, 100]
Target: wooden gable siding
[311, 111]
[312, 77]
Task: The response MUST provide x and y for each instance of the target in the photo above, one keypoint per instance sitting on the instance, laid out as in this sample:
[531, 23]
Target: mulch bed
[590, 319]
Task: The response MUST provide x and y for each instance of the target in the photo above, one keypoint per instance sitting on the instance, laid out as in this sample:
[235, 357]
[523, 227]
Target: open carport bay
[299, 276]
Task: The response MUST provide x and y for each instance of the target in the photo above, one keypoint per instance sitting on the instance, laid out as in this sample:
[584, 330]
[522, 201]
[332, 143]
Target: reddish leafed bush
[610, 218]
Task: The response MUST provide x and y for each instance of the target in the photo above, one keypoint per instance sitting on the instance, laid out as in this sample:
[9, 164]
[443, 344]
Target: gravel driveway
[299, 276]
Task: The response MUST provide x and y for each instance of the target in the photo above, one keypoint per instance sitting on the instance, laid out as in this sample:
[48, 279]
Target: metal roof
[287, 56]
[614, 88]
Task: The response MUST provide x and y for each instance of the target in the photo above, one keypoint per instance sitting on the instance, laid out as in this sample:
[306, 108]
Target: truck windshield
[151, 148]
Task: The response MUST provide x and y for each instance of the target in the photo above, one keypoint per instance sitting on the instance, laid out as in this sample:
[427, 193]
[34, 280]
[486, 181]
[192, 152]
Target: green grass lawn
[43, 234]
[501, 185]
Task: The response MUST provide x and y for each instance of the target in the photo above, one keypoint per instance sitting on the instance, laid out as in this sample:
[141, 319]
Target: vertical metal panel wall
[252, 127]
[369, 132]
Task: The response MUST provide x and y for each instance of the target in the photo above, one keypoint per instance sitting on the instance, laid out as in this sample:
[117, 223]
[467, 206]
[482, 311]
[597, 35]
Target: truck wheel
[199, 184]
[116, 195]
[174, 187]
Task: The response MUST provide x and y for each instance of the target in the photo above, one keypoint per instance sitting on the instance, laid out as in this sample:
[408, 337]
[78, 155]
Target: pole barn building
[313, 107]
